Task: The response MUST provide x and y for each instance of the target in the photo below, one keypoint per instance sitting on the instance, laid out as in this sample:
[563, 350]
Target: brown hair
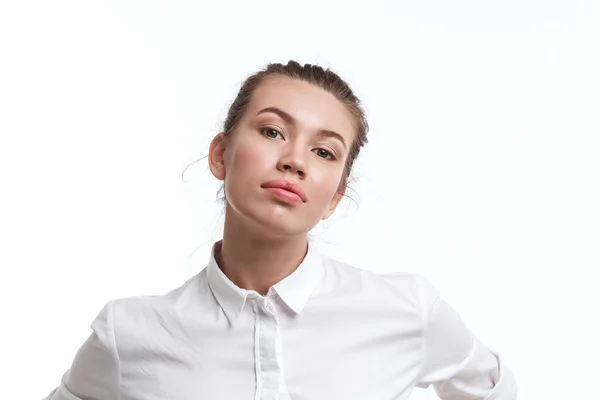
[316, 75]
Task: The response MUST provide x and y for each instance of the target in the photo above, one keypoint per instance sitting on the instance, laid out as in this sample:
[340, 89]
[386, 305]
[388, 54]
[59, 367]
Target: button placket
[267, 350]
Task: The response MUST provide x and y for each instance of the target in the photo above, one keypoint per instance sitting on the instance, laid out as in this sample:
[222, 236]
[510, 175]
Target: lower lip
[285, 195]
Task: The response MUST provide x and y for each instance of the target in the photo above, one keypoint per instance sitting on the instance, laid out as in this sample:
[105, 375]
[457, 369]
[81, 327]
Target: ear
[337, 197]
[216, 161]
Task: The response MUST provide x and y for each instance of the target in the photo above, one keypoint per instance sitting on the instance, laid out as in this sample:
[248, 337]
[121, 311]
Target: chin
[270, 218]
[276, 220]
[281, 223]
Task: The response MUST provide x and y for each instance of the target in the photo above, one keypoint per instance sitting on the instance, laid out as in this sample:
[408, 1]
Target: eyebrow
[290, 120]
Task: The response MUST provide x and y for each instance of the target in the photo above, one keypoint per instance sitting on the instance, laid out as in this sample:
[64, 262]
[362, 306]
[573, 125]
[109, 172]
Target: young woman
[270, 317]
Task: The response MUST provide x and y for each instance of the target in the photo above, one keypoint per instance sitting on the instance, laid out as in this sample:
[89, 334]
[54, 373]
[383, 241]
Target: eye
[324, 154]
[270, 133]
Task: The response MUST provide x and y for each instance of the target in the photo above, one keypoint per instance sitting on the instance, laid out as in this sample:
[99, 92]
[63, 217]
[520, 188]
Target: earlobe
[216, 161]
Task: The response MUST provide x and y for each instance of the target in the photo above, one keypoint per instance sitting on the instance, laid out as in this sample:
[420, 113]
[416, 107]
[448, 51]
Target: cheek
[328, 186]
[243, 156]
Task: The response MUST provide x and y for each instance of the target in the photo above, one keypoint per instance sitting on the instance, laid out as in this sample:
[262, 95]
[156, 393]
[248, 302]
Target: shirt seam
[111, 324]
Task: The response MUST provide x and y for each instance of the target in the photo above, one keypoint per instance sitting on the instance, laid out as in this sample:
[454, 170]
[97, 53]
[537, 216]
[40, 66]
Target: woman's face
[294, 132]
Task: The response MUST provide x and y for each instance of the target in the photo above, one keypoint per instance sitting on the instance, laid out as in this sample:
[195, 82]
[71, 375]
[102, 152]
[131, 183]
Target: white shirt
[327, 331]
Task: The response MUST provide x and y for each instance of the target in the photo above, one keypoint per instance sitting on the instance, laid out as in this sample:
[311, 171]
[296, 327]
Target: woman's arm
[455, 362]
[95, 372]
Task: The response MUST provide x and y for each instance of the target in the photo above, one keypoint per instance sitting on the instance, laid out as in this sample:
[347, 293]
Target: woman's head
[289, 123]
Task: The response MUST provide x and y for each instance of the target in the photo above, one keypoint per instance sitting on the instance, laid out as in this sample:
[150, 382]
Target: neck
[254, 260]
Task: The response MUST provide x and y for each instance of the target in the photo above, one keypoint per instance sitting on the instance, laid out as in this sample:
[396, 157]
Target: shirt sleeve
[455, 362]
[95, 372]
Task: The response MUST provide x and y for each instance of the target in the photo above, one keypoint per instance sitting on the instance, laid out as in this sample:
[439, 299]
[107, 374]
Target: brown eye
[270, 133]
[324, 153]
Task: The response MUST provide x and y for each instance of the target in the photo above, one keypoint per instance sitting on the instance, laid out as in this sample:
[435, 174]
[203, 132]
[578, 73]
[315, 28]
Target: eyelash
[263, 130]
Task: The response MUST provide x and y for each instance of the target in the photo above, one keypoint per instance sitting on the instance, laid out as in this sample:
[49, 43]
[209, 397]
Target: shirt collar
[294, 290]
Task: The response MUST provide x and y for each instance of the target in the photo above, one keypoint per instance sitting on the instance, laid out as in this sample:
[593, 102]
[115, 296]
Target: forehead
[311, 106]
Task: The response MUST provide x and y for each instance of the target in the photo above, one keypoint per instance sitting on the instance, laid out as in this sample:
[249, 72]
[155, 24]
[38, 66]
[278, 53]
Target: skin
[264, 238]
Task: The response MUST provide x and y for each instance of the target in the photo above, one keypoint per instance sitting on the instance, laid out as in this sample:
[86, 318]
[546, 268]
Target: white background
[482, 171]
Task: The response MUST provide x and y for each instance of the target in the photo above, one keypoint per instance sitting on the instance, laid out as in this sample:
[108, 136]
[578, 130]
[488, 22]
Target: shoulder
[138, 306]
[405, 287]
[134, 319]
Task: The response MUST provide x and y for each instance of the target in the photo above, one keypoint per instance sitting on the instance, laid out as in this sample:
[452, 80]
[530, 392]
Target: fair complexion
[292, 131]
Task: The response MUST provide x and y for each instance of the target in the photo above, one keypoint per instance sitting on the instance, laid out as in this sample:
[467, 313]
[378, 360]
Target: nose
[293, 161]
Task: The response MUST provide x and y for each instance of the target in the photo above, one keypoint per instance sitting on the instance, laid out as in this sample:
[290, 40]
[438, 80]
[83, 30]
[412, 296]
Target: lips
[287, 186]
